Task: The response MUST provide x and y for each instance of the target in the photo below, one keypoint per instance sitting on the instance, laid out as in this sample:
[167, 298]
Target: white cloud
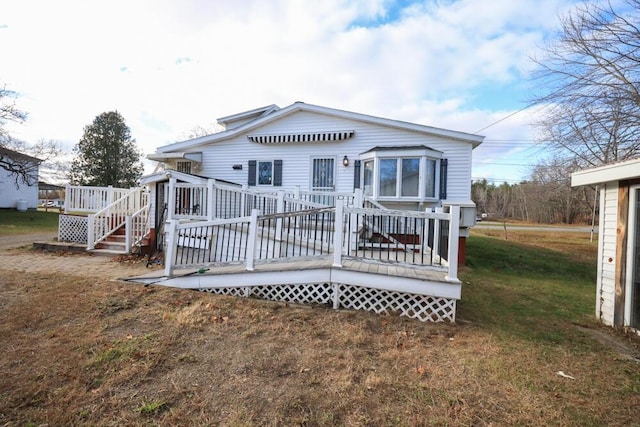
[168, 66]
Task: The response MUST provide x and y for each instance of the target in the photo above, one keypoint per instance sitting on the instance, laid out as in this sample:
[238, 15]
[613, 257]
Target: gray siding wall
[219, 158]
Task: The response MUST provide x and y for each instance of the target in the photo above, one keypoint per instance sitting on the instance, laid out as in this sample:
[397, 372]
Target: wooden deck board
[352, 264]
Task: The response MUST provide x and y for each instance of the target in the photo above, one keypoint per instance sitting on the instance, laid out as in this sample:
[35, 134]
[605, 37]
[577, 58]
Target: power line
[507, 116]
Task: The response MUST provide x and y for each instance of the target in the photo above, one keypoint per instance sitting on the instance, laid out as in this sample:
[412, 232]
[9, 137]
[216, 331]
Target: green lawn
[31, 221]
[531, 292]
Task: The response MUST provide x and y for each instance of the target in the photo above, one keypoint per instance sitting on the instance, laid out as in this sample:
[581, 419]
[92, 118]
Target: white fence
[84, 199]
[420, 238]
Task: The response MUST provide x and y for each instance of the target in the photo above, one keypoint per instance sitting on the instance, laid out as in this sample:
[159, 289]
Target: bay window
[402, 173]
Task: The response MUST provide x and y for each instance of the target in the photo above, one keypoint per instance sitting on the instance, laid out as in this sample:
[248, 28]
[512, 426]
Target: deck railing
[113, 216]
[216, 200]
[421, 238]
[137, 228]
[84, 199]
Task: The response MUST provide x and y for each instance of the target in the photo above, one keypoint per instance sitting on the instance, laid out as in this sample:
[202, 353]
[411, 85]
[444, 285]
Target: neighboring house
[618, 281]
[14, 191]
[399, 165]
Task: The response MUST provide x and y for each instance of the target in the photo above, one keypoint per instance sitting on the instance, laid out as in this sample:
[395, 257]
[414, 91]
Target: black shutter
[277, 173]
[356, 174]
[444, 164]
[252, 173]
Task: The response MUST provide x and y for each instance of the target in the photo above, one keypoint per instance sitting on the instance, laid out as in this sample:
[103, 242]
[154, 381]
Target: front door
[633, 262]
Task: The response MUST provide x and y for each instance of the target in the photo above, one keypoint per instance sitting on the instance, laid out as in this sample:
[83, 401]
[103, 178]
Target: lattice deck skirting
[72, 228]
[420, 307]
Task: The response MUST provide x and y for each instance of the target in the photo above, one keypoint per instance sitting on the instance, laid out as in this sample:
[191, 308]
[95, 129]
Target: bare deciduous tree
[590, 79]
[19, 159]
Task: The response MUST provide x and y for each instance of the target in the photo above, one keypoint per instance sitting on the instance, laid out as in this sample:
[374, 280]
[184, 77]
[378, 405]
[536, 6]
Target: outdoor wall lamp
[345, 161]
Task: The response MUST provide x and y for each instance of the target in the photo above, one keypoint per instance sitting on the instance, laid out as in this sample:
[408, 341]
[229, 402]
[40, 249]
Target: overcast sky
[169, 66]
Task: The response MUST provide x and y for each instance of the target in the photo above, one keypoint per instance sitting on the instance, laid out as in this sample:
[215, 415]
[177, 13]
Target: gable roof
[272, 113]
[16, 155]
[628, 169]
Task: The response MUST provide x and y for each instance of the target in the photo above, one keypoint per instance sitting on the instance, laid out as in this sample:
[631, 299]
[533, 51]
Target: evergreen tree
[106, 154]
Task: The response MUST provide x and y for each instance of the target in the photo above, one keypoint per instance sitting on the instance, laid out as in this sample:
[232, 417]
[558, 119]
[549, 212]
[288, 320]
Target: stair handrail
[107, 220]
[137, 228]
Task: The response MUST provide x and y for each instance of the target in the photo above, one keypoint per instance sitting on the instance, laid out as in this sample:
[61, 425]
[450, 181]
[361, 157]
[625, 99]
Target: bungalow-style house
[18, 180]
[397, 164]
[303, 203]
[618, 281]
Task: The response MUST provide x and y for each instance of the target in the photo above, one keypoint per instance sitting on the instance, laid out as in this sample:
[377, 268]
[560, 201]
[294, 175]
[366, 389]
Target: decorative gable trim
[320, 136]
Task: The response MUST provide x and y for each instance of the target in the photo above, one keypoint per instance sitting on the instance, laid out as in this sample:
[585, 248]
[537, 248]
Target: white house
[397, 164]
[618, 282]
[305, 204]
[16, 192]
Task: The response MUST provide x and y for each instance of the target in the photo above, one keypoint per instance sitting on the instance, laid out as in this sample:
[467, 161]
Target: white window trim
[335, 170]
[258, 172]
[631, 222]
[398, 155]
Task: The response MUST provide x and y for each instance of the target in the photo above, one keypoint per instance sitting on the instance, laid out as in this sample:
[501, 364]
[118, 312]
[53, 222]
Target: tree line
[546, 198]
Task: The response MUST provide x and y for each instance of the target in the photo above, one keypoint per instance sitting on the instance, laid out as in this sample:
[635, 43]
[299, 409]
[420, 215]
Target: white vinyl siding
[605, 290]
[218, 158]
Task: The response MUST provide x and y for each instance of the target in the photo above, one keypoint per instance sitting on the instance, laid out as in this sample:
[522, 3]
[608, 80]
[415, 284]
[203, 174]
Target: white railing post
[128, 231]
[91, 222]
[337, 237]
[251, 242]
[436, 235]
[172, 199]
[358, 201]
[211, 199]
[67, 198]
[454, 231]
[172, 248]
[296, 192]
[109, 196]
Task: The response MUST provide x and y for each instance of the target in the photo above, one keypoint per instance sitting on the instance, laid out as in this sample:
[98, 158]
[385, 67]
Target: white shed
[618, 282]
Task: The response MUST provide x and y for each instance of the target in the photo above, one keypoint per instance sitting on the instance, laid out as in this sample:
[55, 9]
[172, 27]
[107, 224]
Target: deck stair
[115, 244]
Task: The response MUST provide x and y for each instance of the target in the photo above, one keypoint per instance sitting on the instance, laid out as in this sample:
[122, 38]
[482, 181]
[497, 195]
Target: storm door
[633, 262]
[323, 174]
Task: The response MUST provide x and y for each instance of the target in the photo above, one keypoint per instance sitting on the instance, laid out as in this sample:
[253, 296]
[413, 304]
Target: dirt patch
[627, 347]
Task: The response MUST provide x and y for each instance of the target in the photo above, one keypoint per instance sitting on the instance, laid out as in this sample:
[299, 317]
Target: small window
[430, 178]
[184, 167]
[368, 178]
[265, 173]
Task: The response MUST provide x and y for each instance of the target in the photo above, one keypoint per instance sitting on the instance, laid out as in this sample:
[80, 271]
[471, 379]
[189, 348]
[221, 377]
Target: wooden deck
[378, 275]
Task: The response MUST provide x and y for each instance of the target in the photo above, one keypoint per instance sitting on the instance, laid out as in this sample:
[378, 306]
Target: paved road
[559, 228]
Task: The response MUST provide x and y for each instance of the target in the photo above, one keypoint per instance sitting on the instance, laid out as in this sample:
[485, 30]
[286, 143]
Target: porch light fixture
[345, 161]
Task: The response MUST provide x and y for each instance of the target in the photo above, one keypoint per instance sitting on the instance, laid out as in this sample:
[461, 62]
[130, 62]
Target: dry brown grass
[81, 351]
